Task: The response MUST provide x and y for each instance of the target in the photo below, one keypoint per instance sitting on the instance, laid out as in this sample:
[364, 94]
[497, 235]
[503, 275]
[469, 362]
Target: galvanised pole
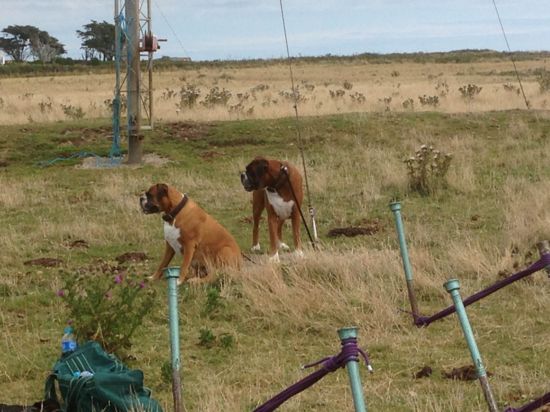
[172, 275]
[544, 249]
[396, 209]
[452, 286]
[353, 372]
[135, 149]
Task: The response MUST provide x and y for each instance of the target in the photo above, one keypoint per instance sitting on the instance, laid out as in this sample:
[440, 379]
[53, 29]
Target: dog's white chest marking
[282, 208]
[172, 235]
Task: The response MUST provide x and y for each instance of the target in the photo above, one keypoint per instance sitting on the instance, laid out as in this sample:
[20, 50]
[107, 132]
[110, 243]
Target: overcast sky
[237, 29]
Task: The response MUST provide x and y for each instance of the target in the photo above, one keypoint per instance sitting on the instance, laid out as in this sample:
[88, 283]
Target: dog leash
[284, 169]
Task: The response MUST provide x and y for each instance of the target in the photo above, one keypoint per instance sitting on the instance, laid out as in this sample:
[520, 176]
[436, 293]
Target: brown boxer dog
[189, 231]
[272, 184]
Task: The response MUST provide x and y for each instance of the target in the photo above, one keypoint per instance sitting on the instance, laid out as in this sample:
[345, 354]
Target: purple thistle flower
[118, 279]
[60, 293]
[142, 285]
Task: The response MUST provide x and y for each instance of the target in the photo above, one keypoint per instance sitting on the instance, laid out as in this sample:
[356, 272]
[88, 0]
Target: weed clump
[106, 304]
[470, 91]
[427, 170]
[432, 101]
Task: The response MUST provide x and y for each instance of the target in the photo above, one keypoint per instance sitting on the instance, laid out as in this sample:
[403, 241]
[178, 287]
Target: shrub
[429, 100]
[543, 79]
[106, 304]
[427, 170]
[358, 98]
[442, 88]
[408, 104]
[72, 112]
[216, 97]
[337, 94]
[347, 85]
[469, 91]
[189, 94]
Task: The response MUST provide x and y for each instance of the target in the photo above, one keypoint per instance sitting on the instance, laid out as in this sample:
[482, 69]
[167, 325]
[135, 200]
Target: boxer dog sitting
[272, 184]
[189, 231]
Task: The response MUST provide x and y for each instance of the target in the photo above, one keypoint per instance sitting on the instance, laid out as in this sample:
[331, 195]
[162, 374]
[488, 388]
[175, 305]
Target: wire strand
[511, 56]
[295, 95]
[171, 29]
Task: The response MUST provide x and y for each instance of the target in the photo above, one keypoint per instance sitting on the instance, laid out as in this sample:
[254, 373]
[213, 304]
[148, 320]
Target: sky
[242, 29]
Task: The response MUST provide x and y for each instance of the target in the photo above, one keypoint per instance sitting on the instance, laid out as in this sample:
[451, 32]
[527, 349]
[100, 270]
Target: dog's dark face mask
[150, 201]
[253, 177]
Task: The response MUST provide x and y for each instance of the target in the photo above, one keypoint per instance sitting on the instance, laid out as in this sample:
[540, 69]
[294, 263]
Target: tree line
[23, 43]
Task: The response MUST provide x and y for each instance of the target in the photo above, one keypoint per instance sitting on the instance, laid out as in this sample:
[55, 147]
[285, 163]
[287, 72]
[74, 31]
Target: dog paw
[283, 246]
[274, 258]
[255, 248]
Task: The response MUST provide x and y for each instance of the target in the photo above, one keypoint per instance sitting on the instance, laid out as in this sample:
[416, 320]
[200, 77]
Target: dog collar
[281, 179]
[169, 217]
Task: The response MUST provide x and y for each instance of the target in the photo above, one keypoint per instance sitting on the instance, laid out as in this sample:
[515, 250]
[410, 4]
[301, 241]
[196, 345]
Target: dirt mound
[464, 373]
[131, 257]
[425, 372]
[367, 228]
[46, 262]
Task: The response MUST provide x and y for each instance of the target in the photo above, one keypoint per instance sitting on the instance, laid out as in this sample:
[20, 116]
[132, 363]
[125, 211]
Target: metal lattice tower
[133, 39]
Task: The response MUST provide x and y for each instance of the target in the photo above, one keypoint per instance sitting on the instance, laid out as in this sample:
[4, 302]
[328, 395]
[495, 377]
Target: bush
[73, 112]
[189, 95]
[470, 91]
[106, 304]
[427, 170]
[429, 100]
[543, 79]
[216, 97]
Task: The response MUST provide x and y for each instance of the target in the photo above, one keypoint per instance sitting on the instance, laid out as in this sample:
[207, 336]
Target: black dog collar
[280, 180]
[169, 217]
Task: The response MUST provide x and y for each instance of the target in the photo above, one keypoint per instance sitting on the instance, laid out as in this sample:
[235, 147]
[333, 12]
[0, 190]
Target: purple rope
[350, 353]
[531, 406]
[543, 262]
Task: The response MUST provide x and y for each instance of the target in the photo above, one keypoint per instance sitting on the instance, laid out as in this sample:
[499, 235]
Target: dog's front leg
[168, 255]
[273, 222]
[188, 252]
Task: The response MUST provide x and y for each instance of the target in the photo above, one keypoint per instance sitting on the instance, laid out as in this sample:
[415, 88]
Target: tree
[22, 42]
[45, 47]
[98, 38]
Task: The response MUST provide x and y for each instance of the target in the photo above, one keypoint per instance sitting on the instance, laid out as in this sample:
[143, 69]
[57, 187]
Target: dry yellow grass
[384, 87]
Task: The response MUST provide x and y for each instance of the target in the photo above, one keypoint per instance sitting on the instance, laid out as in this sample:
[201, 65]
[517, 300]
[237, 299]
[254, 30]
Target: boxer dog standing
[189, 231]
[272, 184]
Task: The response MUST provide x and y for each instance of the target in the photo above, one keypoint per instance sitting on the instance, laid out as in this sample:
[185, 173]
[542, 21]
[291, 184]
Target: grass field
[262, 90]
[245, 338]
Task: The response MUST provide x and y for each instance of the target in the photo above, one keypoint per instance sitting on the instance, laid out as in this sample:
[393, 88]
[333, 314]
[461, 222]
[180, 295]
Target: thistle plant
[106, 304]
[427, 169]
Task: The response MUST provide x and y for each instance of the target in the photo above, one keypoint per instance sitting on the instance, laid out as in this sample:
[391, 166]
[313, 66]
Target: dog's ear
[162, 191]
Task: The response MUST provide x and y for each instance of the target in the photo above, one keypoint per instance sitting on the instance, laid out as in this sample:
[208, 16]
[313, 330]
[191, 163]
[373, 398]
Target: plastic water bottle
[68, 341]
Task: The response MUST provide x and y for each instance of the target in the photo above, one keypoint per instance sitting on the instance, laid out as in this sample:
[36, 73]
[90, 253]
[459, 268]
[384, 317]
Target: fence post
[353, 372]
[453, 287]
[396, 209]
[544, 249]
[172, 274]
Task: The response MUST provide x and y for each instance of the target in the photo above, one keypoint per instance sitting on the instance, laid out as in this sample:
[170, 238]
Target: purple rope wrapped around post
[350, 352]
[542, 263]
[531, 406]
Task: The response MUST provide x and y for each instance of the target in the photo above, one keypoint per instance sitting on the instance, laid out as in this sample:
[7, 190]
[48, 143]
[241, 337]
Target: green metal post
[353, 372]
[396, 209]
[172, 274]
[452, 286]
[544, 249]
